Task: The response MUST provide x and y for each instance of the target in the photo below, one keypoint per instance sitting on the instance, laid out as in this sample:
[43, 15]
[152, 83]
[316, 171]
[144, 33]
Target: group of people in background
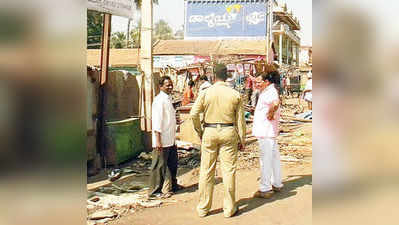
[222, 130]
[188, 94]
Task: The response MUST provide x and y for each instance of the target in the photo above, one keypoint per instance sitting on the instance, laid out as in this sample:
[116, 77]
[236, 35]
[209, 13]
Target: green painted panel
[124, 140]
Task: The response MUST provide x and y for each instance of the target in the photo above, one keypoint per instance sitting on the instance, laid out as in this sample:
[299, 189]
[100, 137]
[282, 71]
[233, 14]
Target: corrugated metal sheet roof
[206, 48]
[130, 57]
[117, 57]
[224, 1]
[242, 47]
[185, 47]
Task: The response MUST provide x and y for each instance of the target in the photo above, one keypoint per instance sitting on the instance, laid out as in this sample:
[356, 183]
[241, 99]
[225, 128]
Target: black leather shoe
[177, 187]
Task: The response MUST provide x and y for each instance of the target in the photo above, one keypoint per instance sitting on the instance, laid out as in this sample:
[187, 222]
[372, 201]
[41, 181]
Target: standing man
[307, 93]
[188, 94]
[265, 129]
[249, 83]
[223, 134]
[164, 155]
[255, 92]
[204, 83]
[288, 85]
[231, 79]
[284, 83]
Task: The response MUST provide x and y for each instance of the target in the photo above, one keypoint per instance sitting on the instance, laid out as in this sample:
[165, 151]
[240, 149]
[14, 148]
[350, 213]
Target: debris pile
[103, 208]
[295, 138]
[125, 197]
[189, 159]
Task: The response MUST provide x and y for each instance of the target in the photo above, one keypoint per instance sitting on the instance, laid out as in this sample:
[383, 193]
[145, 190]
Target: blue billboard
[229, 19]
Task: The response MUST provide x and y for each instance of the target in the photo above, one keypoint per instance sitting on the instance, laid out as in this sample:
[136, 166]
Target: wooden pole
[146, 62]
[128, 34]
[105, 48]
[103, 78]
[267, 29]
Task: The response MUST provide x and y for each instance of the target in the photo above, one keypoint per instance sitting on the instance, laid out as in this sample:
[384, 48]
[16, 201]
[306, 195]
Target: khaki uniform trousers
[222, 141]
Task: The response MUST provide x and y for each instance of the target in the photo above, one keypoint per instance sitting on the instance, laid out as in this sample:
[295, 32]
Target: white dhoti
[270, 165]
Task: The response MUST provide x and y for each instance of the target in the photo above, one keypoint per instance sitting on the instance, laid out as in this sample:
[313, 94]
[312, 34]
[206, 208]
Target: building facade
[285, 38]
[305, 56]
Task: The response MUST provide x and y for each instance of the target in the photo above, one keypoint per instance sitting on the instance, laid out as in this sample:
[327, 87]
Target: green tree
[94, 29]
[138, 3]
[134, 41]
[118, 40]
[179, 34]
[162, 31]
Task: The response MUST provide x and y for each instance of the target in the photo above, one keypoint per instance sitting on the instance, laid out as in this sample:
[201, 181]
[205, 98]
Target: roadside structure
[119, 59]
[286, 40]
[305, 62]
[305, 56]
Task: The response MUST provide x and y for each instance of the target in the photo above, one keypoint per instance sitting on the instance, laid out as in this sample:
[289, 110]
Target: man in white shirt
[231, 79]
[204, 83]
[265, 129]
[307, 93]
[288, 85]
[164, 154]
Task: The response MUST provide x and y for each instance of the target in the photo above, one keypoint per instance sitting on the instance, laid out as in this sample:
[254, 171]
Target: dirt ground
[293, 206]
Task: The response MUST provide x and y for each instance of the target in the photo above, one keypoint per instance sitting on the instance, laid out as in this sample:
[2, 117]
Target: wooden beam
[103, 78]
[146, 62]
[105, 48]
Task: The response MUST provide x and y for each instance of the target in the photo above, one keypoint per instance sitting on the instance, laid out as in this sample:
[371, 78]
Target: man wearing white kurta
[204, 83]
[308, 91]
[164, 154]
[265, 129]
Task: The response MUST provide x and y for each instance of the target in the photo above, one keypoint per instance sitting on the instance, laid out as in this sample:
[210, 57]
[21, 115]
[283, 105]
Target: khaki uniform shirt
[220, 104]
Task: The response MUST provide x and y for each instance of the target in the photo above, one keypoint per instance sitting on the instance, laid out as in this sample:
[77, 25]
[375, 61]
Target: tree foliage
[138, 3]
[162, 31]
[94, 29]
[118, 40]
[134, 41]
[179, 35]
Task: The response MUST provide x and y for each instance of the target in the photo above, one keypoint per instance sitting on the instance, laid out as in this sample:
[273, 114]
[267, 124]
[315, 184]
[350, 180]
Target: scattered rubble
[184, 145]
[145, 156]
[306, 115]
[121, 198]
[288, 158]
[102, 215]
[127, 197]
[110, 207]
[150, 204]
[115, 174]
[189, 159]
[94, 199]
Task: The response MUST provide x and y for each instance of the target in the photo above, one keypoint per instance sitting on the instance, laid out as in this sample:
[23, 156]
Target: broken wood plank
[97, 185]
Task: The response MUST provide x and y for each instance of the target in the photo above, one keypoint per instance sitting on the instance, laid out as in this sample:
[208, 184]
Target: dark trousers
[163, 170]
[248, 93]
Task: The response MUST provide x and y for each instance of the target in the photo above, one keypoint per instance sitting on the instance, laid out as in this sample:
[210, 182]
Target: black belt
[220, 124]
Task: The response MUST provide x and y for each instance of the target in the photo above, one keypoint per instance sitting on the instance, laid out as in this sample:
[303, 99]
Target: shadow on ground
[194, 187]
[251, 203]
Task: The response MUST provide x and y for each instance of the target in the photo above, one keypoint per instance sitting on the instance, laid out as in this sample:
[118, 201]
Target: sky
[172, 11]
